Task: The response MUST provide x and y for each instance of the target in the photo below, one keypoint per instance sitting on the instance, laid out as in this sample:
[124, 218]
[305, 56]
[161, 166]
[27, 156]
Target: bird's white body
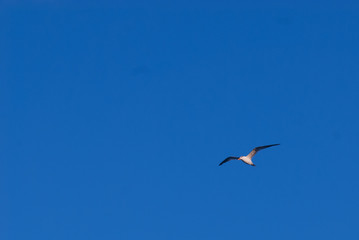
[247, 160]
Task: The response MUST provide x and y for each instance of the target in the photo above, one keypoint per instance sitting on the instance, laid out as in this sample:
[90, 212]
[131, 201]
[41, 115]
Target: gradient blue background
[114, 118]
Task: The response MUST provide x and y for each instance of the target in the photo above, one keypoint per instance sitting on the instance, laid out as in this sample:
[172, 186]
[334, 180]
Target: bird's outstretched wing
[227, 159]
[257, 149]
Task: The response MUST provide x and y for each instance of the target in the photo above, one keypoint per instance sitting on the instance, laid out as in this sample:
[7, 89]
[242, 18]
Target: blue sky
[114, 117]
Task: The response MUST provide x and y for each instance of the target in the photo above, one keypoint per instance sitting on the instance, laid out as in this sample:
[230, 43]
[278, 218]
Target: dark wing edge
[266, 146]
[227, 159]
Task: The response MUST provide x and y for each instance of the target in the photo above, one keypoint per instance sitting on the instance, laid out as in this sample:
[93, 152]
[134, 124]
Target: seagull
[248, 159]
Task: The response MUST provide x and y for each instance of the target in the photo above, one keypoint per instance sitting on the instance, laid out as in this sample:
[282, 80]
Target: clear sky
[114, 118]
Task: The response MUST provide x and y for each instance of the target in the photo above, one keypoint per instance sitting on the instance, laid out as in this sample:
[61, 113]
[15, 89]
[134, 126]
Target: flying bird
[248, 159]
